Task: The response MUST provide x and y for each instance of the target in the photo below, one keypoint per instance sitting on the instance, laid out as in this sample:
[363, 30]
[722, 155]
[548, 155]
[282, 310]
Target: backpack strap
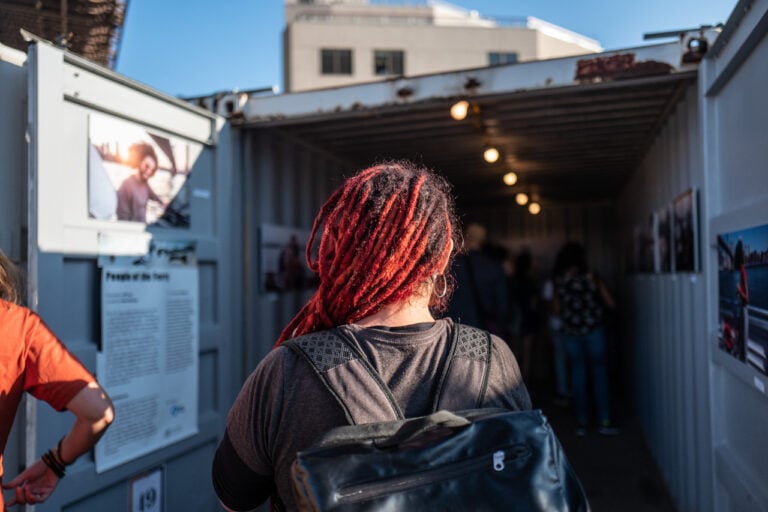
[348, 376]
[469, 366]
[344, 372]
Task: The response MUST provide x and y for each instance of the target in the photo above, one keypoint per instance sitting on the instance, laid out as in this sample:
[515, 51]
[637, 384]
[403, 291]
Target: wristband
[53, 464]
[60, 457]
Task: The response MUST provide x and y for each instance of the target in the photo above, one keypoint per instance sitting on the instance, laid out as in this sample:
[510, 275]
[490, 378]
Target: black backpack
[475, 460]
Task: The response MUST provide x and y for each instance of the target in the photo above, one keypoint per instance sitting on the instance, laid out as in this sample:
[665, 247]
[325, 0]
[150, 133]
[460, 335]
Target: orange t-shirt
[32, 359]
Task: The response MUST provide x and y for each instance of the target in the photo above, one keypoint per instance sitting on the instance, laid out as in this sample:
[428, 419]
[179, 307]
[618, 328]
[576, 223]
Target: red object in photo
[743, 289]
[728, 336]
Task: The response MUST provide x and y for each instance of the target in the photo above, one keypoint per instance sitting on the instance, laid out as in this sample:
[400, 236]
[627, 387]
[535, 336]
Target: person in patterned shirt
[581, 301]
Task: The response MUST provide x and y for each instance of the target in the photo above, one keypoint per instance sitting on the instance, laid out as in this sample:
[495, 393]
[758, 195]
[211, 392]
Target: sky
[756, 239]
[199, 47]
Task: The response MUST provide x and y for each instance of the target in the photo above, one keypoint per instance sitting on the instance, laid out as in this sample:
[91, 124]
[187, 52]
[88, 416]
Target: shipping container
[654, 157]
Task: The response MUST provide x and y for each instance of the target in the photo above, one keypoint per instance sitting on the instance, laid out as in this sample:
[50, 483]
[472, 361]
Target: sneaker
[606, 429]
[581, 431]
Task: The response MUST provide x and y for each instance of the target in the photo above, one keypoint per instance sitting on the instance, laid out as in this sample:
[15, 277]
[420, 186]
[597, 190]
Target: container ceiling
[576, 143]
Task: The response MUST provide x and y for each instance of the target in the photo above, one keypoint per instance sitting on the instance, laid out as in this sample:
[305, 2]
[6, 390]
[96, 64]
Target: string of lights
[462, 110]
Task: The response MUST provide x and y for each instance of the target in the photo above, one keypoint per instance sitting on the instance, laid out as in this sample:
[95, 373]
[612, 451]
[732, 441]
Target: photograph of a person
[283, 261]
[684, 229]
[138, 175]
[742, 258]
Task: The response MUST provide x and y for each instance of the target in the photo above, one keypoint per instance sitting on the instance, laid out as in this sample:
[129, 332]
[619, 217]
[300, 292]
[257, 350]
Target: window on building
[388, 62]
[496, 58]
[336, 62]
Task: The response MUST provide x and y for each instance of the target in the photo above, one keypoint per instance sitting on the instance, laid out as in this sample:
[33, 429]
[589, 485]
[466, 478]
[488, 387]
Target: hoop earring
[445, 286]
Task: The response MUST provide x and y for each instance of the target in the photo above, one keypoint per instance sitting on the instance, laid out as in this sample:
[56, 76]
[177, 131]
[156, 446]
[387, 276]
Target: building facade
[328, 43]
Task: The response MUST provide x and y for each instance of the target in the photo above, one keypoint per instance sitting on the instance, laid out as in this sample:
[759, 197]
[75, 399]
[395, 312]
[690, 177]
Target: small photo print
[663, 240]
[283, 260]
[685, 232]
[138, 175]
[742, 261]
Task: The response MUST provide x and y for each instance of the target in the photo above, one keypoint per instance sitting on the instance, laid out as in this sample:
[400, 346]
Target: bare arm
[93, 414]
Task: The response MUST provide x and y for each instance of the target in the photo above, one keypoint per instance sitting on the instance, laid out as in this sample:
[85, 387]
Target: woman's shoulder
[6, 306]
[14, 315]
[282, 362]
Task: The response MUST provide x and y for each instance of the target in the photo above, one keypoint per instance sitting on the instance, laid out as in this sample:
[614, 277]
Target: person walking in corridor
[555, 330]
[32, 359]
[581, 302]
[386, 239]
[480, 297]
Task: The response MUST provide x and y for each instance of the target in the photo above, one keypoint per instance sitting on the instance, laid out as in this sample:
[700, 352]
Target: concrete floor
[618, 473]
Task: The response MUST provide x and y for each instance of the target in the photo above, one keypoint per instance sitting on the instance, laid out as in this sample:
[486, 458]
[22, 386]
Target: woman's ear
[445, 263]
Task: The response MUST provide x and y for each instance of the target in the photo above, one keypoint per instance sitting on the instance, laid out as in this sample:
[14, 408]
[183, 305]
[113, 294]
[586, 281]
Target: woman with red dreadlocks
[386, 238]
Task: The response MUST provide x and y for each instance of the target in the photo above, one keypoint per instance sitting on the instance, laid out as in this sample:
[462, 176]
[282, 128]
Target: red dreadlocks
[383, 234]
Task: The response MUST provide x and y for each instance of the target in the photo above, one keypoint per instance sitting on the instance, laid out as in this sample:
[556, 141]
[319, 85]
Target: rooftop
[425, 12]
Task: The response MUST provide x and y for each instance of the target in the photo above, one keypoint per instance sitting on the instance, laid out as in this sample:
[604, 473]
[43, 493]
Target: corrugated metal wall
[703, 411]
[734, 113]
[665, 321]
[13, 121]
[285, 183]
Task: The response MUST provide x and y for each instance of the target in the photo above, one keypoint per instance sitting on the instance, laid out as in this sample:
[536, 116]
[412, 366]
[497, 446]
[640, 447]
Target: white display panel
[149, 358]
[84, 132]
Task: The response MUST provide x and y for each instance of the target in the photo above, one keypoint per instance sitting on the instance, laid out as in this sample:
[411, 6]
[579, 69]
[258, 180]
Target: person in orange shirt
[34, 360]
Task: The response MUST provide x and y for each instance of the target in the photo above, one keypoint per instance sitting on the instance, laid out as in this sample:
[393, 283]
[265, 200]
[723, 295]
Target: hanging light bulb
[521, 199]
[534, 208]
[491, 154]
[510, 179]
[459, 110]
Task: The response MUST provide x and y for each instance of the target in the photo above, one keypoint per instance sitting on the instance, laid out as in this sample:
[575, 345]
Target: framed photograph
[742, 262]
[283, 262]
[663, 244]
[138, 175]
[685, 232]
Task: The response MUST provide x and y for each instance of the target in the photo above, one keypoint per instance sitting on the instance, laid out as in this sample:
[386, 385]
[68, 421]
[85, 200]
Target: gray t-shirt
[132, 198]
[283, 406]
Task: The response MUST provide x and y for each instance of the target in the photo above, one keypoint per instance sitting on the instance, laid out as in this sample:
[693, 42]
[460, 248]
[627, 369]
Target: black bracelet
[54, 465]
[58, 452]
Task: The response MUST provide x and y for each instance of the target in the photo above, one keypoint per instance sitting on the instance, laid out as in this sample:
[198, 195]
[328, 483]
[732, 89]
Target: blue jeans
[587, 352]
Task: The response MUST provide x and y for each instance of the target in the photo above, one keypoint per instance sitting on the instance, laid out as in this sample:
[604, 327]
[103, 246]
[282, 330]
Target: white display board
[115, 163]
[148, 361]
